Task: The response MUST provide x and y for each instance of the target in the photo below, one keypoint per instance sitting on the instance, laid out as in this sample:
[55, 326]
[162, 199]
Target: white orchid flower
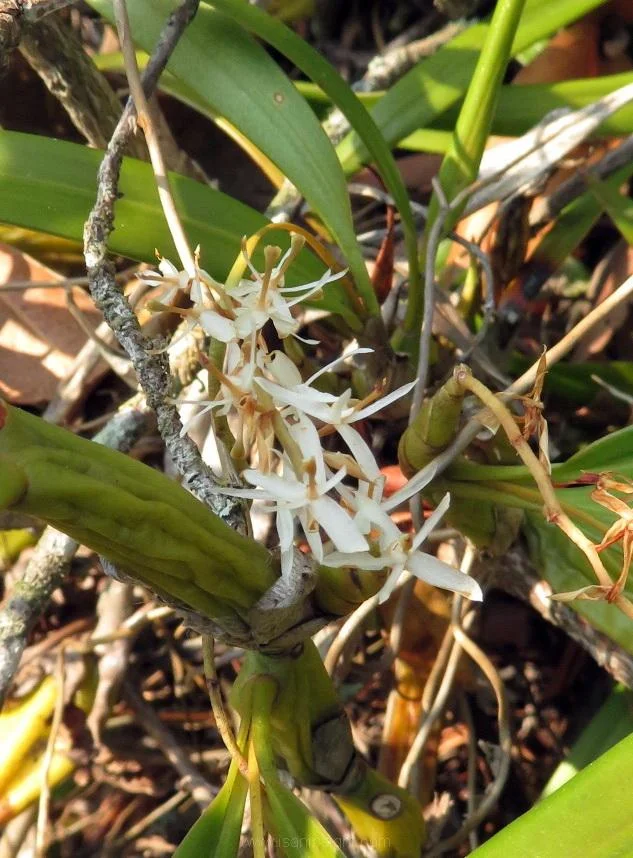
[307, 498]
[339, 412]
[400, 553]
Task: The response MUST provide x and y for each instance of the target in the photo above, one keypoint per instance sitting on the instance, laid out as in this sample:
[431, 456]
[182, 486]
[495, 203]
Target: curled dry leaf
[38, 336]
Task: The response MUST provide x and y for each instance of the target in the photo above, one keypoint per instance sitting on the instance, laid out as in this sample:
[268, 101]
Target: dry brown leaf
[38, 336]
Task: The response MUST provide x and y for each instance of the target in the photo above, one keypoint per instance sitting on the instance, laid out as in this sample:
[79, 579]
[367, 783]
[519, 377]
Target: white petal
[247, 321]
[378, 517]
[415, 485]
[286, 563]
[167, 268]
[390, 584]
[217, 326]
[306, 340]
[283, 327]
[276, 487]
[285, 529]
[339, 360]
[356, 559]
[312, 289]
[360, 450]
[334, 480]
[383, 402]
[301, 401]
[305, 434]
[328, 277]
[283, 370]
[338, 525]
[234, 492]
[434, 571]
[232, 357]
[190, 421]
[432, 522]
[312, 534]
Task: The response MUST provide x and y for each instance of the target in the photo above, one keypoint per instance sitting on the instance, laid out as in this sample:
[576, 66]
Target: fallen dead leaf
[38, 335]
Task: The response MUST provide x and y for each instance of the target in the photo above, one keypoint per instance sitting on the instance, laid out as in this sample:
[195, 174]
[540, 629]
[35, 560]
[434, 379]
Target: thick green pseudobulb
[433, 428]
[305, 700]
[143, 522]
[307, 728]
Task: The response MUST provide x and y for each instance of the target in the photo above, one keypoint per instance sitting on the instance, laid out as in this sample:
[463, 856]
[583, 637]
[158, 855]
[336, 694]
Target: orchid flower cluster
[278, 420]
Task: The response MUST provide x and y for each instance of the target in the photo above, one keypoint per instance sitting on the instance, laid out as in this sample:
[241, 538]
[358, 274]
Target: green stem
[461, 162]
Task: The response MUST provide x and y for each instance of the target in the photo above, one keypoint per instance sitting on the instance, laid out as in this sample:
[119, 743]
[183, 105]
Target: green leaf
[618, 207]
[613, 452]
[521, 107]
[218, 60]
[612, 723]
[588, 817]
[310, 62]
[218, 830]
[438, 82]
[297, 832]
[403, 835]
[50, 185]
[566, 568]
[461, 162]
[557, 558]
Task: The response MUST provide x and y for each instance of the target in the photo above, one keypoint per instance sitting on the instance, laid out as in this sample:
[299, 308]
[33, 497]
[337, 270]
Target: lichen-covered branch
[151, 367]
[515, 574]
[14, 14]
[54, 51]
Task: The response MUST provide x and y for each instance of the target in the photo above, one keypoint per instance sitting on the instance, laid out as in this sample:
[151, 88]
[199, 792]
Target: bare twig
[432, 244]
[505, 744]
[157, 813]
[222, 721]
[433, 702]
[113, 609]
[45, 570]
[41, 827]
[347, 631]
[199, 788]
[13, 15]
[146, 120]
[554, 511]
[44, 573]
[431, 715]
[570, 340]
[471, 775]
[151, 366]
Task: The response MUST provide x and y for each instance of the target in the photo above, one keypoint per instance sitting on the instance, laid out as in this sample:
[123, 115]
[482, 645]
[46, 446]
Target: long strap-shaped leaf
[217, 832]
[306, 58]
[50, 185]
[218, 59]
[588, 817]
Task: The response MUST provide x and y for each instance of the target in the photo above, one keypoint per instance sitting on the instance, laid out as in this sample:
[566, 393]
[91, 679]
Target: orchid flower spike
[399, 552]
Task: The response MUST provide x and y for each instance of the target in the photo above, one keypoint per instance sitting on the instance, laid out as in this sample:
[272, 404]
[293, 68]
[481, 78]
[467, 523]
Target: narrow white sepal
[433, 571]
